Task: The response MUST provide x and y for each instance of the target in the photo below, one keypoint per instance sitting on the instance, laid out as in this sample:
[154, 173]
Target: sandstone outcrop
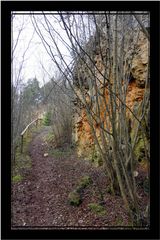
[82, 134]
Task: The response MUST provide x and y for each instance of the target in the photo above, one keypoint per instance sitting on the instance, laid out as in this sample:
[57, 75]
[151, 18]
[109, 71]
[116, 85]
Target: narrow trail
[41, 199]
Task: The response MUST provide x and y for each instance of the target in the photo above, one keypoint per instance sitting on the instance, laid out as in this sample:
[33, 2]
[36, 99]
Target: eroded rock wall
[82, 133]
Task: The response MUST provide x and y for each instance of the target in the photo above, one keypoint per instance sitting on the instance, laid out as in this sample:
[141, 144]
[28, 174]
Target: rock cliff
[82, 134]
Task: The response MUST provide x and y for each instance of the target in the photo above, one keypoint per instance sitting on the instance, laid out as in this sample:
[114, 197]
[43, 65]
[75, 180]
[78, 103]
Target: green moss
[74, 198]
[96, 208]
[17, 178]
[96, 158]
[139, 149]
[84, 182]
[22, 160]
[139, 146]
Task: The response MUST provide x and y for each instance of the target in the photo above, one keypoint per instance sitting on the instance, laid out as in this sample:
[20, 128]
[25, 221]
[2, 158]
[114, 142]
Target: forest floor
[40, 199]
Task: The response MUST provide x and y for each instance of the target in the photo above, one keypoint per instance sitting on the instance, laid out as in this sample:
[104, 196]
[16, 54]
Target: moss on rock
[74, 198]
[84, 182]
[139, 149]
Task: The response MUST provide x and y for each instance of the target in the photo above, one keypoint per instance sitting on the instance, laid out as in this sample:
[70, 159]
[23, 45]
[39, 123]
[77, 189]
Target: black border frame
[6, 8]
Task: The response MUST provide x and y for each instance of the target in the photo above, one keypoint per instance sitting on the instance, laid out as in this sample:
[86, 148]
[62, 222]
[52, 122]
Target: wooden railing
[26, 129]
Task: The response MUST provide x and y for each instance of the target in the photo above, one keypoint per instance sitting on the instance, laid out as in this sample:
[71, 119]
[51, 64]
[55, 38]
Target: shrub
[47, 119]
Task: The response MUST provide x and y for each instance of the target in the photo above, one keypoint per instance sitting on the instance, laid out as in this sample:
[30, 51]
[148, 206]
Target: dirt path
[42, 198]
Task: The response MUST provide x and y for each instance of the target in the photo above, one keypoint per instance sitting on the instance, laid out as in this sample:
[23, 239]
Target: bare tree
[17, 64]
[103, 49]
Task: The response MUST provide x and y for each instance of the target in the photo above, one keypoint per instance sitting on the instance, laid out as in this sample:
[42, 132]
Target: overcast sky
[36, 52]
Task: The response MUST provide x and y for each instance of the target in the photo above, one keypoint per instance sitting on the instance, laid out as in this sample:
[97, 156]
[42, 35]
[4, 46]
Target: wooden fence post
[26, 130]
[21, 143]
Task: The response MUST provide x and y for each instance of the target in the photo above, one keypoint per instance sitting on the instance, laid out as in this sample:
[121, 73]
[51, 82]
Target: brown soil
[41, 199]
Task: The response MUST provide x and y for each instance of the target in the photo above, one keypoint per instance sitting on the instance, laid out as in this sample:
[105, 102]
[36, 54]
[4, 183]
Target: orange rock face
[135, 92]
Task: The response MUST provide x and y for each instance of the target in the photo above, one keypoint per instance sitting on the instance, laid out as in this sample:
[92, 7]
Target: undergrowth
[97, 209]
[61, 152]
[23, 161]
[47, 119]
[49, 138]
[75, 197]
[17, 178]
